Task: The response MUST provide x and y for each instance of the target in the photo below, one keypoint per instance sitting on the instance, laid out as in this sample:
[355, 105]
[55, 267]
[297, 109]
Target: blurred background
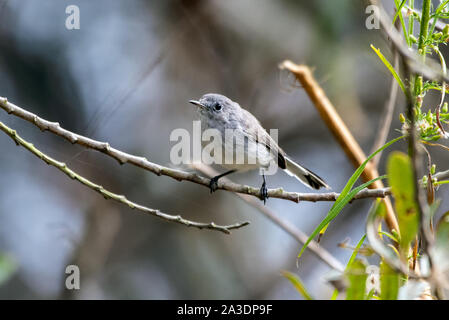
[125, 77]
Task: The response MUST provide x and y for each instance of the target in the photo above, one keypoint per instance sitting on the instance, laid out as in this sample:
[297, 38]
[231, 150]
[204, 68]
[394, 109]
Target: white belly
[238, 153]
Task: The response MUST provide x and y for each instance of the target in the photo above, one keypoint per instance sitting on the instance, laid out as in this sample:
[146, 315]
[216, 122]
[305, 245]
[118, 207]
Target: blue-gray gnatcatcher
[222, 114]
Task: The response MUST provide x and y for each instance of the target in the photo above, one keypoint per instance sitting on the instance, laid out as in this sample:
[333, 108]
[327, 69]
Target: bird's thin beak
[197, 103]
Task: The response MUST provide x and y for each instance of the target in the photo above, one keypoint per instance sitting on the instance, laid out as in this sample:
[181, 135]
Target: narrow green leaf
[297, 283]
[390, 68]
[436, 16]
[398, 10]
[336, 209]
[389, 282]
[441, 6]
[389, 235]
[401, 18]
[360, 169]
[350, 261]
[357, 276]
[356, 251]
[401, 179]
[411, 19]
[424, 26]
[345, 195]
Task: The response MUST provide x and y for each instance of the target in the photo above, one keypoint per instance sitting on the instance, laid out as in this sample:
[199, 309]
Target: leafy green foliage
[427, 124]
[351, 261]
[389, 282]
[390, 68]
[401, 179]
[355, 252]
[399, 6]
[356, 274]
[398, 258]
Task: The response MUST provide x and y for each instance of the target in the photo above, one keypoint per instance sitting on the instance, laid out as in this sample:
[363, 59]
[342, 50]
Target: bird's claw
[264, 193]
[213, 185]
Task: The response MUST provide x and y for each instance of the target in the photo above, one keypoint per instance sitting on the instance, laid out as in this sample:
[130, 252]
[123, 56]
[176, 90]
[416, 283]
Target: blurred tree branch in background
[110, 195]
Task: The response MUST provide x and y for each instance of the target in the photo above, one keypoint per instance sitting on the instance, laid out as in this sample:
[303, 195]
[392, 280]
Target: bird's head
[215, 105]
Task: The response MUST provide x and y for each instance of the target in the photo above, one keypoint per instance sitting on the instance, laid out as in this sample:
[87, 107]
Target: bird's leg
[263, 190]
[213, 182]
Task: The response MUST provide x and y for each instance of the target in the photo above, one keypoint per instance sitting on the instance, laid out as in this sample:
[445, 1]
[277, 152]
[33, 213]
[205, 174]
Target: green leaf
[336, 209]
[346, 194]
[357, 276]
[401, 18]
[436, 16]
[398, 10]
[297, 283]
[389, 235]
[401, 179]
[350, 261]
[354, 253]
[441, 6]
[7, 267]
[390, 68]
[389, 282]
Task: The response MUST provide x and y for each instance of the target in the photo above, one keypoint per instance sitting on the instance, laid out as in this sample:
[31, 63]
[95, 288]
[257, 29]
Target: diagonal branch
[109, 195]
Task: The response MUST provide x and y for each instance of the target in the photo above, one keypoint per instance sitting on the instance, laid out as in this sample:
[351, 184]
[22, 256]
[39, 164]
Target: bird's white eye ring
[217, 107]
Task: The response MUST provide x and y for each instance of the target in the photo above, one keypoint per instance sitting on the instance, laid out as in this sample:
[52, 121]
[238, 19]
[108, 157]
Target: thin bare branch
[110, 195]
[442, 175]
[141, 162]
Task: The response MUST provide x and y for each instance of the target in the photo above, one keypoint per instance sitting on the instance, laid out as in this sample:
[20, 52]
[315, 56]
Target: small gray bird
[221, 113]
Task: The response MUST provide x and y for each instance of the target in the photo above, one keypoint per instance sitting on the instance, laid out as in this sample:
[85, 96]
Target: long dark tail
[304, 175]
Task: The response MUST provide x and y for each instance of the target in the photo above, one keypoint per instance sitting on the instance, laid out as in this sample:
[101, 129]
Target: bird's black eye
[217, 107]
